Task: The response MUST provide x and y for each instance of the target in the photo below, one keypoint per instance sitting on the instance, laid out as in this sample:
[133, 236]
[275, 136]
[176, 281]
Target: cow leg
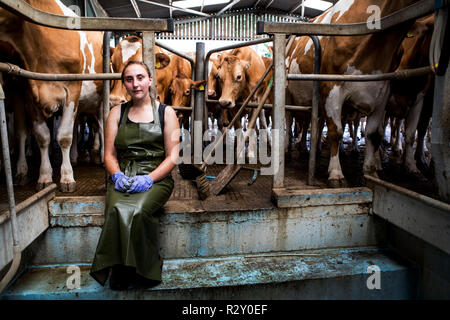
[411, 122]
[97, 147]
[333, 108]
[42, 134]
[21, 176]
[374, 135]
[289, 140]
[64, 138]
[397, 146]
[363, 127]
[263, 123]
[302, 147]
[74, 147]
[354, 134]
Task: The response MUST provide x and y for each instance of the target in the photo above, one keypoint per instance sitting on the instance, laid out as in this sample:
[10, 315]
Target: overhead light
[318, 4]
[197, 3]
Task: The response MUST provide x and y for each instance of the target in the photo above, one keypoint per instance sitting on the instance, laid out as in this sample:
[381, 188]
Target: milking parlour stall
[313, 143]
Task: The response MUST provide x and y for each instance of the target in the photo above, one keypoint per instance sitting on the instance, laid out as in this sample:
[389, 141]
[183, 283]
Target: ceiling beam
[297, 6]
[136, 8]
[268, 5]
[257, 2]
[228, 6]
[177, 8]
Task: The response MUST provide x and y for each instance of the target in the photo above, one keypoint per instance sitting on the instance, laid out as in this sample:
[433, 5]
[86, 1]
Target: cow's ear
[162, 60]
[198, 85]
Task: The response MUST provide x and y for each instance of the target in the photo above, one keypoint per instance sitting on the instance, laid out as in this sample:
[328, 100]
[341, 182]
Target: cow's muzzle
[226, 104]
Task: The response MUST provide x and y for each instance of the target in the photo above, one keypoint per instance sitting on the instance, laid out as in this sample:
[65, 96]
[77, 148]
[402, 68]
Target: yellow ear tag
[158, 65]
[201, 88]
[410, 35]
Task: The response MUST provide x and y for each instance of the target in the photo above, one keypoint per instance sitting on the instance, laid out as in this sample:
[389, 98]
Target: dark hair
[152, 92]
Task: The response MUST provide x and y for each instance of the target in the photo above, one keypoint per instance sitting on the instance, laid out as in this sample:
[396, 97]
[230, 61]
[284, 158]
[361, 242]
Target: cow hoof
[42, 185]
[68, 187]
[21, 180]
[337, 183]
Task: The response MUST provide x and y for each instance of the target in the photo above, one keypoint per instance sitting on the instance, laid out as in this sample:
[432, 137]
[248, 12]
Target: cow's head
[232, 78]
[129, 49]
[213, 85]
[181, 89]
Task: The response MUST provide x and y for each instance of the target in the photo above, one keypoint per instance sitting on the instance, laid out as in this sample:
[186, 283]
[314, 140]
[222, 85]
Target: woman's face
[137, 81]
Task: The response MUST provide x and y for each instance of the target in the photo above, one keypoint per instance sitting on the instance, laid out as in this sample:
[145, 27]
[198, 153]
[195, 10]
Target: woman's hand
[140, 183]
[121, 181]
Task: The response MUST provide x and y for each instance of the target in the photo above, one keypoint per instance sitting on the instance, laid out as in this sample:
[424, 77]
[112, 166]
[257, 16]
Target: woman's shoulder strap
[123, 108]
[161, 111]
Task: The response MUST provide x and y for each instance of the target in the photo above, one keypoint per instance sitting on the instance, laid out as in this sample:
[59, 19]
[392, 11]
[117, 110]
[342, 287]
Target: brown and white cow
[351, 56]
[412, 99]
[50, 50]
[180, 92]
[238, 73]
[130, 49]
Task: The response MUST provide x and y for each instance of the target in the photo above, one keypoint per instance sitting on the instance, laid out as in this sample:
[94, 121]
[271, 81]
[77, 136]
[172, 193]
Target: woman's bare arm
[112, 126]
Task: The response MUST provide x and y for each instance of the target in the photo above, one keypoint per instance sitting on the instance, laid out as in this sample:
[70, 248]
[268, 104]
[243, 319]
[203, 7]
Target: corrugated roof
[150, 9]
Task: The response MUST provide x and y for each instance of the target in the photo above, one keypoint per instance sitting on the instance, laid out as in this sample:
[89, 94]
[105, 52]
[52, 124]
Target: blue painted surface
[329, 273]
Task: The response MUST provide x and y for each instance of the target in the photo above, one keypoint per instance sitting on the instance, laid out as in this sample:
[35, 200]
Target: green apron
[130, 233]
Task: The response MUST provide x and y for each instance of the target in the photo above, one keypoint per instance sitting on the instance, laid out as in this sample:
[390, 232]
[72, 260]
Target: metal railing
[281, 30]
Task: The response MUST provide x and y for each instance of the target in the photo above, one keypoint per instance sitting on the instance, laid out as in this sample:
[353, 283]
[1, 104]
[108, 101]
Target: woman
[139, 155]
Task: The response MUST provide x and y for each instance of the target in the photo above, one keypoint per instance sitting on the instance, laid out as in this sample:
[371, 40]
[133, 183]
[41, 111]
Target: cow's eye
[188, 92]
[238, 77]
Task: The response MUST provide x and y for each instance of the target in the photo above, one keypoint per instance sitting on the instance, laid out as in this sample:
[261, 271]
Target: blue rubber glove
[121, 181]
[140, 183]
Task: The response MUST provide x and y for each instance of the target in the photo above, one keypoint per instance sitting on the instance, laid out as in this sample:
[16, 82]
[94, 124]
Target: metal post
[440, 135]
[7, 166]
[106, 92]
[199, 102]
[314, 113]
[148, 55]
[279, 109]
[12, 203]
[440, 132]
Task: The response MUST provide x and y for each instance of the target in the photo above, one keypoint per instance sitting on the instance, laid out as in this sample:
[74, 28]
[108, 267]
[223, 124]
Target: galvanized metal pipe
[106, 93]
[17, 71]
[10, 189]
[315, 112]
[148, 57]
[29, 13]
[412, 12]
[399, 75]
[191, 61]
[199, 104]
[427, 200]
[268, 106]
[106, 69]
[279, 112]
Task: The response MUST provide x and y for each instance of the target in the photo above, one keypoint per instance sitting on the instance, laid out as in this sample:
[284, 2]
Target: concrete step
[189, 229]
[309, 274]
